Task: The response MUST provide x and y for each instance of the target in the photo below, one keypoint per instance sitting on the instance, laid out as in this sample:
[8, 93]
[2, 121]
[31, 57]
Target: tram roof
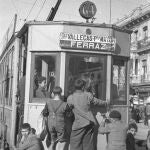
[72, 23]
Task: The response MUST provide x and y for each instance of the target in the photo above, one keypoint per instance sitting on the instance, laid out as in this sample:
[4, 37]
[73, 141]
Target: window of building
[136, 66]
[136, 35]
[145, 32]
[144, 66]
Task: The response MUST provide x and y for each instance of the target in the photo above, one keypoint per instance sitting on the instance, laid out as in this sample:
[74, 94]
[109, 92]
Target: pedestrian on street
[148, 140]
[130, 140]
[116, 131]
[147, 109]
[83, 126]
[55, 110]
[29, 141]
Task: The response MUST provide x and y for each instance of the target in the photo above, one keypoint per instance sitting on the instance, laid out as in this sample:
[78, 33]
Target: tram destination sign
[84, 41]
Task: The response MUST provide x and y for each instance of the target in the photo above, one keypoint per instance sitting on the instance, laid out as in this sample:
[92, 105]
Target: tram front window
[92, 69]
[44, 75]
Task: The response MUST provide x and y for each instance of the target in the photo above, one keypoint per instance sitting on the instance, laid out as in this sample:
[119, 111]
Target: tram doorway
[90, 68]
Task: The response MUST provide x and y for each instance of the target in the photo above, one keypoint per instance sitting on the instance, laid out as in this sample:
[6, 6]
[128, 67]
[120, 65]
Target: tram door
[92, 69]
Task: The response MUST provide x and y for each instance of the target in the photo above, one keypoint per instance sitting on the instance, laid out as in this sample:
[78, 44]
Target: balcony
[135, 79]
[141, 45]
[140, 79]
[145, 78]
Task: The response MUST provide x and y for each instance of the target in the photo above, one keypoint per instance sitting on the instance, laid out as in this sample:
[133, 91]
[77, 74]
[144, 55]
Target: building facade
[139, 22]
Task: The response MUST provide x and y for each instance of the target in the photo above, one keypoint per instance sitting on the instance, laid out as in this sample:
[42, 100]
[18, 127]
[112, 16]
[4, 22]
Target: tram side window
[8, 78]
[119, 82]
[44, 76]
[90, 68]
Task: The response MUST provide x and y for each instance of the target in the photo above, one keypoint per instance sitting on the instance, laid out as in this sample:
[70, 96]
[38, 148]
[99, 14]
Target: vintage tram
[62, 52]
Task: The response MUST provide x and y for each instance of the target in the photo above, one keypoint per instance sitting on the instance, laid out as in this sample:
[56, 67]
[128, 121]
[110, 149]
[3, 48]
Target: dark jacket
[31, 143]
[49, 109]
[130, 142]
[81, 103]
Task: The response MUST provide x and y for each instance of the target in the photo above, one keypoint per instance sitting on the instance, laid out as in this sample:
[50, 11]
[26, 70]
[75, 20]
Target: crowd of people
[71, 124]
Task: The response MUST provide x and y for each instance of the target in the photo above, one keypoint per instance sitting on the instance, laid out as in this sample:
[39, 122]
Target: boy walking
[55, 110]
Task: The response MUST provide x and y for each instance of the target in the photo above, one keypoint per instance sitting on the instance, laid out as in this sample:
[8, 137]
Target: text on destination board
[80, 41]
[87, 38]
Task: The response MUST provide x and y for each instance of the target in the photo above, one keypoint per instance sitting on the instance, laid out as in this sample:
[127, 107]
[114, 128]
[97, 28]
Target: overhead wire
[40, 9]
[16, 9]
[31, 9]
[110, 12]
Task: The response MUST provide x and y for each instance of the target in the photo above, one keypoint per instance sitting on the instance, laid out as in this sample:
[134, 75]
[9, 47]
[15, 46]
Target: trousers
[82, 139]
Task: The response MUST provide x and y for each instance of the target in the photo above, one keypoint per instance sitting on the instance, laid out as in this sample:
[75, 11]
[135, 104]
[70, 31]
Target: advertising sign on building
[84, 41]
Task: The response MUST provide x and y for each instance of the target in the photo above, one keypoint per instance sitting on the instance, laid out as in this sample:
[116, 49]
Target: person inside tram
[41, 90]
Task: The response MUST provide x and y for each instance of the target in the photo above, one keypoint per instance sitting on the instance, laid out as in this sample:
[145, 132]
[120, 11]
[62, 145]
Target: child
[55, 110]
[115, 131]
[130, 141]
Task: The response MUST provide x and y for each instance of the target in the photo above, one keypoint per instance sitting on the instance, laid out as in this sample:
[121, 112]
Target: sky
[68, 11]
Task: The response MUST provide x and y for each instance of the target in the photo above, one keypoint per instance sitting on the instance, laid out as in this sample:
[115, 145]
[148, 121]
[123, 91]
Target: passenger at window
[41, 91]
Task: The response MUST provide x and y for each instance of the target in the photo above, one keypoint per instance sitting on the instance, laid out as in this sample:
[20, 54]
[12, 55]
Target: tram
[61, 52]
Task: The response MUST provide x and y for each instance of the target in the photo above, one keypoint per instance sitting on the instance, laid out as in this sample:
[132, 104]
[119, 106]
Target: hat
[40, 79]
[115, 114]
